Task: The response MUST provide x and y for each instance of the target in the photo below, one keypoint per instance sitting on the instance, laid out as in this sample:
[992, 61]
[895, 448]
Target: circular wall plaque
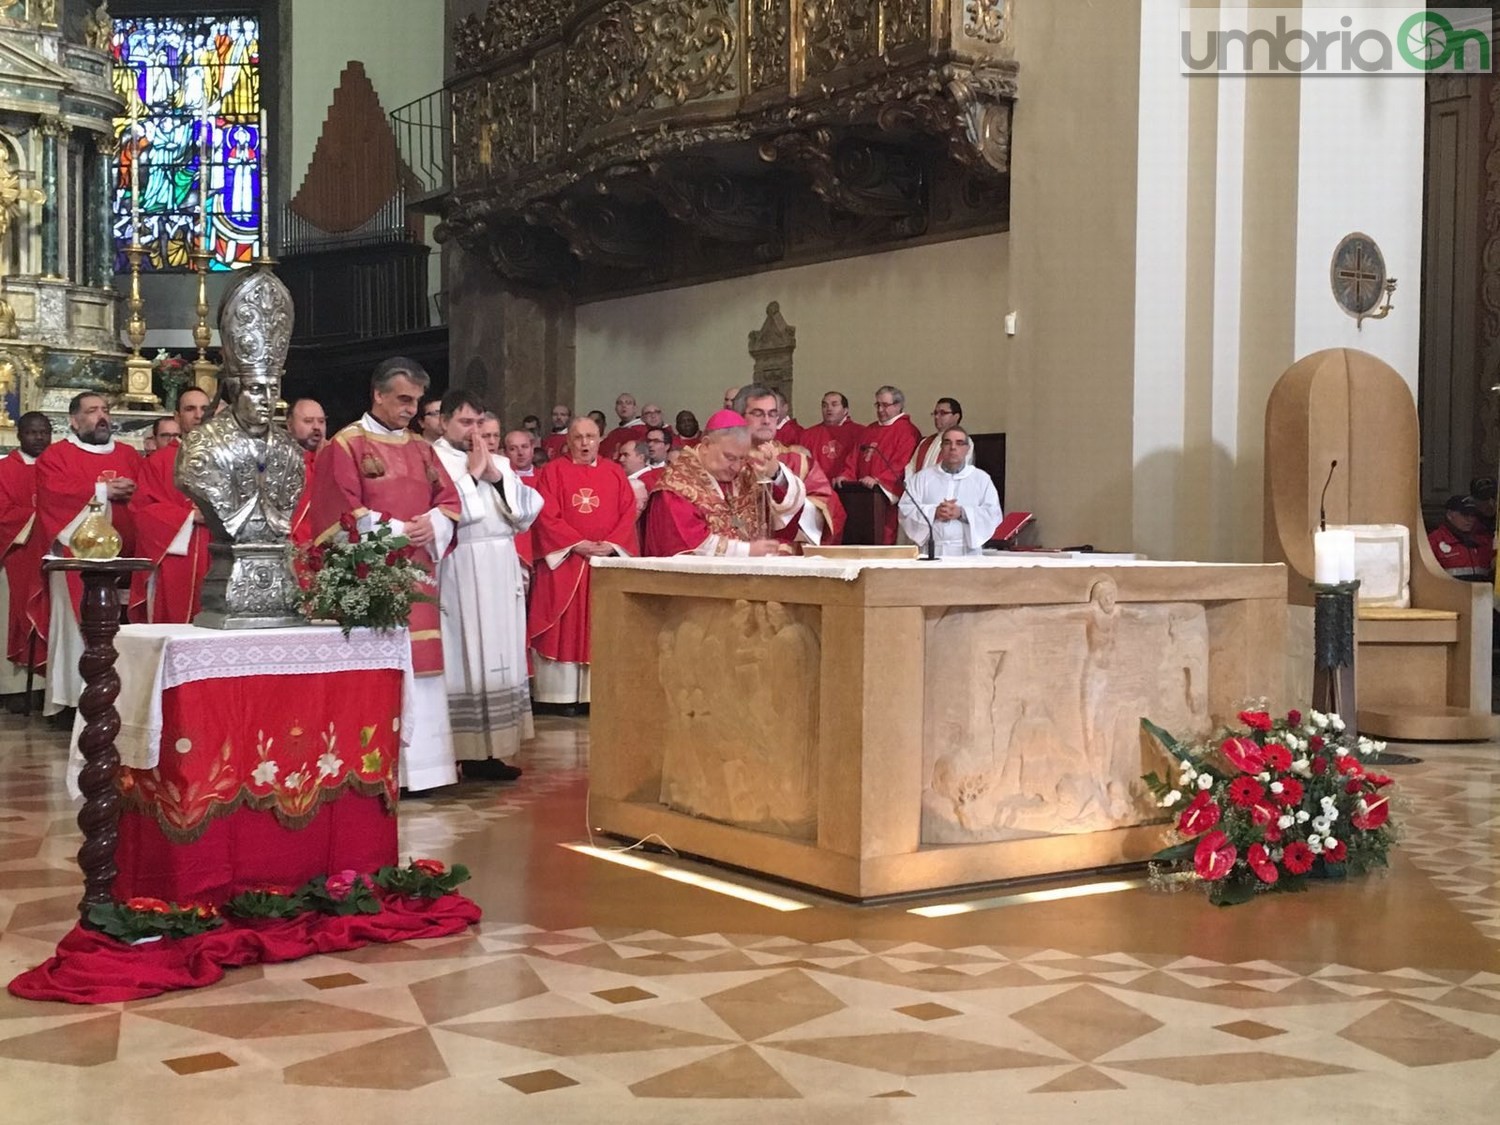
[1357, 275]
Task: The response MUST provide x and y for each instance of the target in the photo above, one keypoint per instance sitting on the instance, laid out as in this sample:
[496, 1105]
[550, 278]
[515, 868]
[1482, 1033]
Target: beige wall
[928, 319]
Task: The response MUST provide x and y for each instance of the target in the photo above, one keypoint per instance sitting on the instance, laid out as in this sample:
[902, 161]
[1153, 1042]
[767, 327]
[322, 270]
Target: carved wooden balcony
[612, 145]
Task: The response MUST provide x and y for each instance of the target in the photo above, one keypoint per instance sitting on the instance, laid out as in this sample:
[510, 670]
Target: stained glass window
[190, 141]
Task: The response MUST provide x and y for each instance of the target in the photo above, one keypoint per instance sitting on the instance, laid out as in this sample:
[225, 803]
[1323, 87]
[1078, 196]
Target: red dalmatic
[22, 548]
[579, 502]
[160, 509]
[830, 445]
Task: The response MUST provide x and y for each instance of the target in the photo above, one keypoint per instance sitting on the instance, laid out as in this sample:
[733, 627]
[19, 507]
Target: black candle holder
[1333, 650]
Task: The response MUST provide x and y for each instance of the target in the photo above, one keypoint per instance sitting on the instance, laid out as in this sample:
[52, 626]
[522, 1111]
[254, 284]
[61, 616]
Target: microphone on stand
[1323, 499]
[931, 555]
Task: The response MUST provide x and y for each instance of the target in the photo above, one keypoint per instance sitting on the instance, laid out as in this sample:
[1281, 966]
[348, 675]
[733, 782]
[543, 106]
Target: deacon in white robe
[483, 599]
[959, 500]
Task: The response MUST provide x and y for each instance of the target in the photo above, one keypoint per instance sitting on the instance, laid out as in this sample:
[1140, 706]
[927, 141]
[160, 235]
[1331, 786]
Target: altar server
[21, 548]
[884, 450]
[483, 599]
[588, 511]
[378, 470]
[723, 497]
[169, 528]
[959, 499]
[67, 476]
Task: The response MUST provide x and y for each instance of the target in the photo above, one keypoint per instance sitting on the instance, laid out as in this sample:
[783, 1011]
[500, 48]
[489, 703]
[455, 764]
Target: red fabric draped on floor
[93, 968]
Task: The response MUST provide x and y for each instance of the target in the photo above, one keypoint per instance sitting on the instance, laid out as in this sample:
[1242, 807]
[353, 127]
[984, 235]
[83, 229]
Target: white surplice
[977, 499]
[483, 601]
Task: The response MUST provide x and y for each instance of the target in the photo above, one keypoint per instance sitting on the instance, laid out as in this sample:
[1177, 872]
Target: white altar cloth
[848, 570]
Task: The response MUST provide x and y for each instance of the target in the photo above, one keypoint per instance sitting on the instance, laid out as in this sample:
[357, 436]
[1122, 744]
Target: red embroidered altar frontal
[232, 780]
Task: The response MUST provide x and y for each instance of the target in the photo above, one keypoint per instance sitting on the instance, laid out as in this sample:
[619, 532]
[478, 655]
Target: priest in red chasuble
[588, 511]
[169, 527]
[884, 451]
[724, 497]
[307, 425]
[21, 548]
[820, 520]
[68, 475]
[379, 470]
[830, 440]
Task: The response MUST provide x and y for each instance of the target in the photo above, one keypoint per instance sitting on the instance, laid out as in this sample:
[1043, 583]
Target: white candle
[135, 176]
[1326, 558]
[265, 196]
[1346, 558]
[205, 148]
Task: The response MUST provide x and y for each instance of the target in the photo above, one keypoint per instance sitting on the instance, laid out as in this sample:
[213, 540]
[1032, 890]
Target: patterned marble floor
[594, 992]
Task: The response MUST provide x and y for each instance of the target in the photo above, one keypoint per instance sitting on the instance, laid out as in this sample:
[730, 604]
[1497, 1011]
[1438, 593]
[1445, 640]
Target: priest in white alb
[958, 500]
[483, 599]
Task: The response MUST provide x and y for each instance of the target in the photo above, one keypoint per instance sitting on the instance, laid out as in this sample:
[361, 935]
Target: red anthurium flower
[1244, 754]
[1291, 792]
[1215, 857]
[1377, 810]
[1349, 764]
[1294, 718]
[1198, 817]
[1379, 780]
[431, 867]
[1263, 812]
[1336, 854]
[1256, 720]
[1278, 757]
[1273, 833]
[1260, 863]
[1245, 791]
[1298, 858]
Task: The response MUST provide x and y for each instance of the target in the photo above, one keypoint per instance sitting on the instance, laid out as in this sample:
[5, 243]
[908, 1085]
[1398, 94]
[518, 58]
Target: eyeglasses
[879, 403]
[943, 413]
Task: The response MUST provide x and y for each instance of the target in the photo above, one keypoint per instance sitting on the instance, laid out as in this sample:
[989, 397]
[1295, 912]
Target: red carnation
[1298, 858]
[431, 867]
[1245, 791]
[148, 905]
[1349, 764]
[1294, 717]
[1256, 720]
[1199, 816]
[361, 571]
[1259, 861]
[1377, 810]
[1244, 754]
[1278, 757]
[1336, 854]
[391, 558]
[1320, 766]
[1316, 742]
[1215, 857]
[1291, 792]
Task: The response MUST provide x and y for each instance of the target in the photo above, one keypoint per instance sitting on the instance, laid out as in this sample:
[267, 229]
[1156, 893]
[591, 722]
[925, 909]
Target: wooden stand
[864, 512]
[99, 818]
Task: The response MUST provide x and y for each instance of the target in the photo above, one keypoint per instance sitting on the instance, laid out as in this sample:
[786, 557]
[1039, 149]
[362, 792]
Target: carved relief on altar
[741, 748]
[1033, 714]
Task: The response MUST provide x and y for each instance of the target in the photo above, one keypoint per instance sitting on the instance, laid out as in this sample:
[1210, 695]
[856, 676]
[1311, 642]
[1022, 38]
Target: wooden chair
[1422, 672]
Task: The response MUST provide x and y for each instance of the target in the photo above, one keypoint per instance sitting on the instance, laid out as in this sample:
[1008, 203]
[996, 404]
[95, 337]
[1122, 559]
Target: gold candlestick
[205, 370]
[137, 389]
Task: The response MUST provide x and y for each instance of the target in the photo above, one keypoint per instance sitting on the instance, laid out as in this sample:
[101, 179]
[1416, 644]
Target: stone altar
[885, 727]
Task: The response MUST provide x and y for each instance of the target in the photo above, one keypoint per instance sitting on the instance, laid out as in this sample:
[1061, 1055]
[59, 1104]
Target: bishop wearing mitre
[376, 470]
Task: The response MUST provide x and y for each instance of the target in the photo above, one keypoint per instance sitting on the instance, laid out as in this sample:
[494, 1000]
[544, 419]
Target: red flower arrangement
[369, 580]
[1270, 806]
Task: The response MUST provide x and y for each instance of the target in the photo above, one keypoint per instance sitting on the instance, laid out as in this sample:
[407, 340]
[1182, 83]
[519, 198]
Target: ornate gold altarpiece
[881, 728]
[610, 145]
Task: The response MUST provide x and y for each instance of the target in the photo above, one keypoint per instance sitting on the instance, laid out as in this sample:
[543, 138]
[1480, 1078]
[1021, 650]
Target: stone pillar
[51, 130]
[512, 347]
[100, 218]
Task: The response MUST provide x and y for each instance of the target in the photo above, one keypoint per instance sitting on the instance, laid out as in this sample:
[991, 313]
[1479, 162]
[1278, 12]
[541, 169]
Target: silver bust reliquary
[243, 471]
